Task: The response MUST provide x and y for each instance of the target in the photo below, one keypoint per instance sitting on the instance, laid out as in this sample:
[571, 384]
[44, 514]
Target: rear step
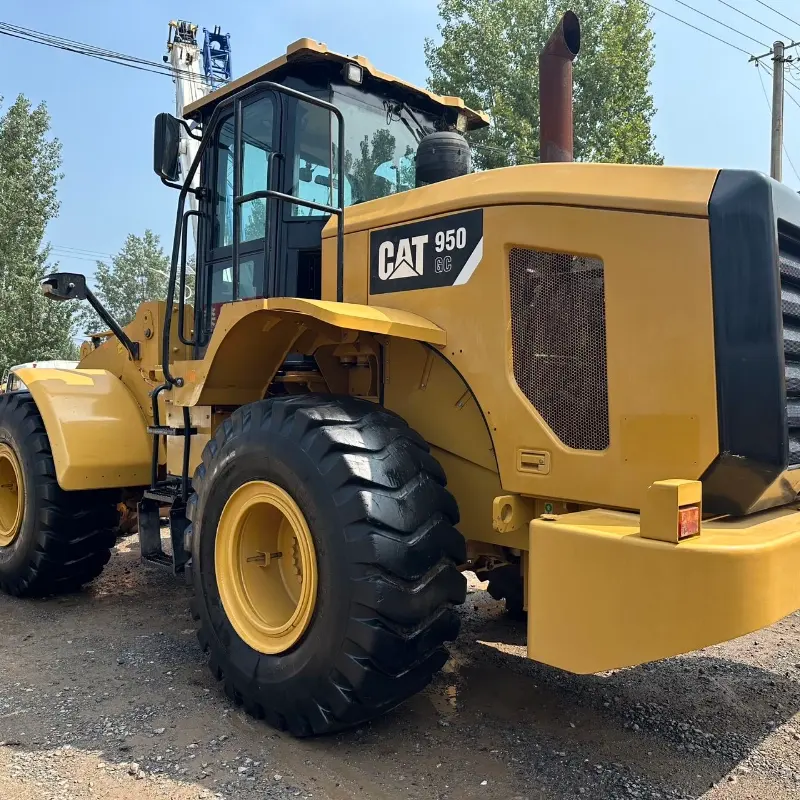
[165, 430]
[163, 494]
[172, 492]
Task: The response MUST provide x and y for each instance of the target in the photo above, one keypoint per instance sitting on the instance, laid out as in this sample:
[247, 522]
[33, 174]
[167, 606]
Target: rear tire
[387, 553]
[64, 538]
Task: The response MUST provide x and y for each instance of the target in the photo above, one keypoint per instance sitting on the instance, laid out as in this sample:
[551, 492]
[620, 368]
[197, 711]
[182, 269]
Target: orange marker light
[688, 522]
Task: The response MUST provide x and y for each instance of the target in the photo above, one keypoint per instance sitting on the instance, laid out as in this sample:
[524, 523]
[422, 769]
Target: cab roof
[307, 51]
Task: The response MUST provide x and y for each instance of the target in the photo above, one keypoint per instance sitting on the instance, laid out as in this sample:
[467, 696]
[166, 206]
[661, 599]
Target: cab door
[240, 243]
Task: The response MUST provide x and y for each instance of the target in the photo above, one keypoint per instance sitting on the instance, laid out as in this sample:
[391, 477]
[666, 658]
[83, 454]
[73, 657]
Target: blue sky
[711, 110]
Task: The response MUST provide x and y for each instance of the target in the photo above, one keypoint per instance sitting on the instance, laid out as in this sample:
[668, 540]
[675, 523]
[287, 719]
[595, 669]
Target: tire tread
[75, 531]
[399, 521]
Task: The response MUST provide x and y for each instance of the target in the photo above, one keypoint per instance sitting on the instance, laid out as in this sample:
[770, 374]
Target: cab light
[353, 74]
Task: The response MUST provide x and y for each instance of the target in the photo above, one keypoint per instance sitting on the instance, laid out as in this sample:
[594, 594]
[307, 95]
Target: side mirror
[62, 286]
[166, 143]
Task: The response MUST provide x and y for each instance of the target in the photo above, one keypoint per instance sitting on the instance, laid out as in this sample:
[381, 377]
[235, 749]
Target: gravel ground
[105, 694]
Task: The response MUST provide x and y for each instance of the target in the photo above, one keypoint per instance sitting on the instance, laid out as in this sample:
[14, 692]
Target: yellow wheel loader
[581, 381]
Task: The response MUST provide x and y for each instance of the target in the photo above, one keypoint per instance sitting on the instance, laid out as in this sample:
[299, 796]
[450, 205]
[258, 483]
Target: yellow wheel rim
[266, 567]
[12, 496]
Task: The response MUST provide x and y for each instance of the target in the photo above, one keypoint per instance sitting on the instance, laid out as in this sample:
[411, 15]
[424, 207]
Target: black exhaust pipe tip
[571, 28]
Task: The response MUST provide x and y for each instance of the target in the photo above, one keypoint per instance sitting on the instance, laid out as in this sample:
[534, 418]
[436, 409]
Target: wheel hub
[266, 567]
[12, 496]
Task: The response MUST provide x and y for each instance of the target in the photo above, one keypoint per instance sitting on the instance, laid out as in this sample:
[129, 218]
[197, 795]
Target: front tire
[51, 541]
[384, 551]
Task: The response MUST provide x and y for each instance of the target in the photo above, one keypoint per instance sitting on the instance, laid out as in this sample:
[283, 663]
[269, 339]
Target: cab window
[379, 153]
[379, 148]
[258, 132]
[311, 168]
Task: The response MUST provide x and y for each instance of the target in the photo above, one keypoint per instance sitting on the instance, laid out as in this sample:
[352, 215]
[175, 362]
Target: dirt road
[105, 695]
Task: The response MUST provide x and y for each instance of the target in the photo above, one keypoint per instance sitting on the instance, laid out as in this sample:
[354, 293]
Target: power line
[81, 251]
[724, 25]
[79, 52]
[786, 80]
[786, 91]
[58, 255]
[757, 21]
[495, 149]
[771, 52]
[779, 13]
[19, 29]
[84, 250]
[769, 106]
[91, 51]
[123, 63]
[694, 27]
[79, 256]
[29, 34]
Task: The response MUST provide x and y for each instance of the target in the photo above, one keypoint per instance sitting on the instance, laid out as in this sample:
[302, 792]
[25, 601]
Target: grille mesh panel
[789, 263]
[558, 330]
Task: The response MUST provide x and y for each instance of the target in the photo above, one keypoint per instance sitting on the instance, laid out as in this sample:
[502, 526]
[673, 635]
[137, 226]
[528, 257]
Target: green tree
[407, 171]
[138, 273]
[365, 182]
[254, 216]
[31, 327]
[489, 56]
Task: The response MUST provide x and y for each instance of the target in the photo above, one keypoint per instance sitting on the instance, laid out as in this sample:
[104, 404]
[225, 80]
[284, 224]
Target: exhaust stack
[555, 90]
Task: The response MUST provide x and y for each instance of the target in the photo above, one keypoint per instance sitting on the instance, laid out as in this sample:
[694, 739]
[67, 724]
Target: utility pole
[779, 60]
[776, 161]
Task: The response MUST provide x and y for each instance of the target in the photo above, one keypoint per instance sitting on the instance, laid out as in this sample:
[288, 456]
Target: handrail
[264, 193]
[224, 104]
[182, 282]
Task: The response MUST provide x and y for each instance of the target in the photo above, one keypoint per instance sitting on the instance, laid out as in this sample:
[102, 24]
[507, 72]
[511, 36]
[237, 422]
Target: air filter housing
[441, 156]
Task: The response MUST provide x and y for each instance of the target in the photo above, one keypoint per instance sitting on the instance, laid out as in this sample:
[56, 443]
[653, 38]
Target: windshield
[378, 158]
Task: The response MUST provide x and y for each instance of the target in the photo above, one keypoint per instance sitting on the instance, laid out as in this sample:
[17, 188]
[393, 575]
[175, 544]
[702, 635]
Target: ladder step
[164, 430]
[162, 559]
[166, 495]
[150, 528]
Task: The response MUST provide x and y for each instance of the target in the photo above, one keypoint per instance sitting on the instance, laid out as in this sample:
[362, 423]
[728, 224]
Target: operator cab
[286, 145]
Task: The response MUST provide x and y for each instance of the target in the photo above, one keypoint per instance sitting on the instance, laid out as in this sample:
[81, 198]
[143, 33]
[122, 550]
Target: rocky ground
[105, 694]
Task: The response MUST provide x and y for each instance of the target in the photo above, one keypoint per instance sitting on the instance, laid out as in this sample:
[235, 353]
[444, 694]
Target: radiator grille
[789, 255]
[558, 330]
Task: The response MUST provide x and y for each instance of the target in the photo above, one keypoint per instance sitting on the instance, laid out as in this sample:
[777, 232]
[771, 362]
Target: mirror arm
[199, 192]
[170, 183]
[190, 131]
[131, 346]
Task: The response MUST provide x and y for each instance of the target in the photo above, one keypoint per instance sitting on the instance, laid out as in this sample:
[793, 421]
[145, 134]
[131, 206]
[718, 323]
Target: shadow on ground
[116, 671]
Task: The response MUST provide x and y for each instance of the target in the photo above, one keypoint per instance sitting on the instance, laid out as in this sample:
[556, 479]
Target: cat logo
[427, 254]
[407, 262]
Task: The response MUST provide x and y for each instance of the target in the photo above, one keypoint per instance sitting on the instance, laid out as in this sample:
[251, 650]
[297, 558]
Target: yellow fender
[359, 317]
[96, 429]
[253, 337]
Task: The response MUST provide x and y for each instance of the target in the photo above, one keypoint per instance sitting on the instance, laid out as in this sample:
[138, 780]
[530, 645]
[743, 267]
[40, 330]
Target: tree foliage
[137, 274]
[366, 182]
[488, 55]
[254, 219]
[31, 327]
